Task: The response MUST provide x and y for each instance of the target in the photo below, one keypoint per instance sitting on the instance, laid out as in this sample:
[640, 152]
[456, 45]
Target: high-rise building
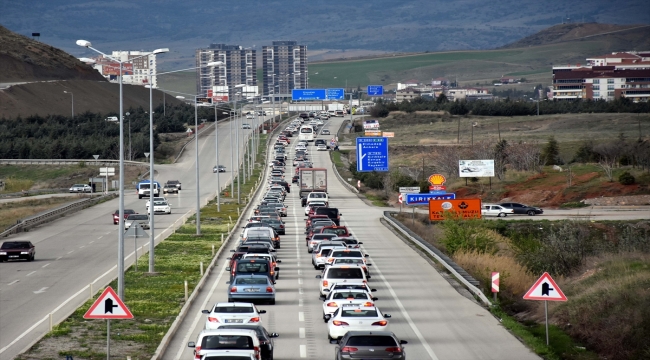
[135, 72]
[234, 79]
[284, 66]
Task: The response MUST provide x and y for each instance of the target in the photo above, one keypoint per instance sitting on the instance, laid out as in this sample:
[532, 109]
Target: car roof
[236, 304]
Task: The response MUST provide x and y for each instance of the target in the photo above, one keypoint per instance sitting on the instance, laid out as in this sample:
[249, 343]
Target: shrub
[626, 178]
[467, 235]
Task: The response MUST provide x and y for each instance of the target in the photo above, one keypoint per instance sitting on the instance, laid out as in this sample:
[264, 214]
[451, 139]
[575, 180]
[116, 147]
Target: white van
[226, 341]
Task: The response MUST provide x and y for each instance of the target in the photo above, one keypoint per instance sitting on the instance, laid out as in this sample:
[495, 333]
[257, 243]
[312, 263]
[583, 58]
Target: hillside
[23, 59]
[582, 31]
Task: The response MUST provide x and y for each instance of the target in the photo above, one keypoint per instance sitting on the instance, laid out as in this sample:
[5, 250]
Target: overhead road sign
[423, 199]
[372, 154]
[545, 288]
[308, 94]
[335, 94]
[375, 90]
[465, 208]
[108, 306]
[476, 168]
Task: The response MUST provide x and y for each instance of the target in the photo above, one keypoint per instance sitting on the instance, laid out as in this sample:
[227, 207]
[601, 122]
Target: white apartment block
[136, 71]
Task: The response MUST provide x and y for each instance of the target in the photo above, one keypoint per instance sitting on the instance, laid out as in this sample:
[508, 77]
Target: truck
[312, 179]
[143, 188]
[334, 107]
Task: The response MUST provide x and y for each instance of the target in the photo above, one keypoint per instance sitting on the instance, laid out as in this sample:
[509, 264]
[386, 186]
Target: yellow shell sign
[436, 179]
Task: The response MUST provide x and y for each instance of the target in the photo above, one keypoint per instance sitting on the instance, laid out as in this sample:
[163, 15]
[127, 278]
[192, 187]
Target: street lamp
[120, 246]
[71, 94]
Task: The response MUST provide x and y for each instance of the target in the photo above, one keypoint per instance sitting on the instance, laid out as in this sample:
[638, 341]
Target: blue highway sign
[372, 154]
[335, 94]
[375, 90]
[423, 199]
[308, 94]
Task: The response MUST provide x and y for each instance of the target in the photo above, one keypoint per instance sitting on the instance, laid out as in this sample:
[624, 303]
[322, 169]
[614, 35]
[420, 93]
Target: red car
[340, 231]
[116, 215]
[312, 217]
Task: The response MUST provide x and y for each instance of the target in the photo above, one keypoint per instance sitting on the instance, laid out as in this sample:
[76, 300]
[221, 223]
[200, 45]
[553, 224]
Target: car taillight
[380, 323]
[318, 255]
[281, 226]
[196, 353]
[339, 323]
[332, 304]
[394, 349]
[330, 260]
[256, 349]
[257, 319]
[368, 303]
[325, 283]
[233, 289]
[269, 289]
[211, 319]
[349, 349]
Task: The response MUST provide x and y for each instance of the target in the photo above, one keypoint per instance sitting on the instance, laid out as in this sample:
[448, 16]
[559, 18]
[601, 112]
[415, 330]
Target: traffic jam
[354, 322]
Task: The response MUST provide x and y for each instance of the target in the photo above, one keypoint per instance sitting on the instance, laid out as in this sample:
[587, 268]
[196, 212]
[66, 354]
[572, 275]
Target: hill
[572, 32]
[23, 59]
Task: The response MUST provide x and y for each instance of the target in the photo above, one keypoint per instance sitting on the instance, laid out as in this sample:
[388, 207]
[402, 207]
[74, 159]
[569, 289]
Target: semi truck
[312, 179]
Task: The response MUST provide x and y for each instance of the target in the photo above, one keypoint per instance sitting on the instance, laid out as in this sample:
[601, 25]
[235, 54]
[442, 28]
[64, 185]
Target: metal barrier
[69, 162]
[336, 171]
[458, 272]
[28, 223]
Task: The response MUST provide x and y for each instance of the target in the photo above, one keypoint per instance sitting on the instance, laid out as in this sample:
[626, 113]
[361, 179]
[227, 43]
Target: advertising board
[476, 168]
[465, 208]
[113, 68]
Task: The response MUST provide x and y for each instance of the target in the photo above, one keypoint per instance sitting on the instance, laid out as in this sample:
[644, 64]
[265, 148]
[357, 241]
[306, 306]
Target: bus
[306, 133]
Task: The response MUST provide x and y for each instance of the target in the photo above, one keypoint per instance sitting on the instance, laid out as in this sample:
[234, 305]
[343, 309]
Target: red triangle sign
[545, 289]
[108, 306]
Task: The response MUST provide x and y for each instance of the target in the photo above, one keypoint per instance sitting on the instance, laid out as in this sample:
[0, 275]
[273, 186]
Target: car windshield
[318, 195]
[160, 203]
[359, 313]
[350, 295]
[233, 309]
[372, 340]
[15, 245]
[323, 236]
[342, 273]
[340, 254]
[348, 261]
[251, 281]
[212, 342]
[338, 231]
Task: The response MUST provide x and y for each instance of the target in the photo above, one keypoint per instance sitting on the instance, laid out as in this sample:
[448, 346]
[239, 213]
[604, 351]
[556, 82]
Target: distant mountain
[23, 59]
[383, 25]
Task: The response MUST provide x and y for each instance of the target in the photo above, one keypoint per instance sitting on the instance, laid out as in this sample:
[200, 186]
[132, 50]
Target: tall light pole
[71, 94]
[120, 246]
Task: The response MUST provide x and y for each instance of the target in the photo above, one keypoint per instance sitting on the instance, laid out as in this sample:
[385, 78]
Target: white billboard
[476, 168]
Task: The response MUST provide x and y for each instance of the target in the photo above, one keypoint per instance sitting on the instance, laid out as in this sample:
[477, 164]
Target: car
[294, 179]
[495, 210]
[349, 284]
[325, 132]
[169, 188]
[246, 126]
[313, 205]
[321, 147]
[338, 273]
[316, 239]
[353, 317]
[161, 207]
[265, 338]
[232, 313]
[219, 168]
[16, 250]
[226, 343]
[335, 299]
[156, 198]
[251, 287]
[81, 188]
[141, 219]
[321, 252]
[346, 253]
[523, 209]
[370, 344]
[116, 215]
[320, 141]
[175, 183]
[253, 266]
[249, 116]
[340, 231]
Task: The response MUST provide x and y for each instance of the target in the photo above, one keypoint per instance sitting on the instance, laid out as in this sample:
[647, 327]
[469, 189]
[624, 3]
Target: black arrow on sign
[108, 306]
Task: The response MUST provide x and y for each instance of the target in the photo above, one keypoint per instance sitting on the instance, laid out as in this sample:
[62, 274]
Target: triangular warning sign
[545, 289]
[108, 306]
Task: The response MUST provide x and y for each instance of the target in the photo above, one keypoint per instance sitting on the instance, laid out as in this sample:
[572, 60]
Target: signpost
[437, 182]
[372, 133]
[372, 154]
[108, 306]
[546, 289]
[375, 90]
[465, 208]
[106, 172]
[308, 94]
[423, 199]
[495, 284]
[335, 94]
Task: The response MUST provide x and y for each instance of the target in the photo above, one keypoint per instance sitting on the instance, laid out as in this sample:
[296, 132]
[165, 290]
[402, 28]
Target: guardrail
[27, 193]
[458, 272]
[69, 162]
[28, 223]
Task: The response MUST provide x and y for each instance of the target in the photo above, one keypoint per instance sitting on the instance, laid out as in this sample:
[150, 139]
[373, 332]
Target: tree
[551, 152]
[608, 156]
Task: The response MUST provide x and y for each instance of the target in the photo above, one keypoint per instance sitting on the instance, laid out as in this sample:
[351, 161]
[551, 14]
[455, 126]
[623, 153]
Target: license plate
[230, 321]
[12, 256]
[252, 290]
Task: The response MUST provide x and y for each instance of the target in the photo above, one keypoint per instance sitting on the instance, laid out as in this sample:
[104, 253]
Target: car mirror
[232, 250]
[387, 316]
[366, 255]
[322, 297]
[262, 311]
[334, 341]
[318, 276]
[277, 268]
[205, 311]
[369, 277]
[328, 317]
[228, 269]
[274, 335]
[403, 342]
[373, 290]
[191, 344]
[359, 243]
[228, 282]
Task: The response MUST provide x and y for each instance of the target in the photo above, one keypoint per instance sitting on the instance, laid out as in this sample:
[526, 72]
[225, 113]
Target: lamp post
[71, 94]
[120, 246]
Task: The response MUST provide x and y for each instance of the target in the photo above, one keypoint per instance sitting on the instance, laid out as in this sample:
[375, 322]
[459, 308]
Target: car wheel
[272, 302]
[499, 214]
[531, 213]
[31, 258]
[505, 215]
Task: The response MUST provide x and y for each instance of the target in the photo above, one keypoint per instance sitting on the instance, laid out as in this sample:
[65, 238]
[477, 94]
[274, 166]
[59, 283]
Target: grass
[13, 211]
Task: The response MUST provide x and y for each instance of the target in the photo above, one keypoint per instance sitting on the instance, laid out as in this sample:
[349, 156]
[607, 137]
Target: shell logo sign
[436, 179]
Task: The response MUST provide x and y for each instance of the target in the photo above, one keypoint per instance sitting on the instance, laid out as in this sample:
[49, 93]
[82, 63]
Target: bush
[626, 178]
[467, 235]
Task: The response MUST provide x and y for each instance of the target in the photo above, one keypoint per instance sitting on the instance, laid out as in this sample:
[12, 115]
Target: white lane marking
[301, 333]
[31, 273]
[13, 282]
[303, 351]
[300, 291]
[99, 237]
[299, 302]
[91, 242]
[59, 258]
[301, 316]
[82, 246]
[70, 252]
[42, 290]
[299, 272]
[299, 281]
[46, 265]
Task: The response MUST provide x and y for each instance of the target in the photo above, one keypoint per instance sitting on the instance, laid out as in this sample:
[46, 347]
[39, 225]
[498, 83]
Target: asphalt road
[80, 249]
[436, 320]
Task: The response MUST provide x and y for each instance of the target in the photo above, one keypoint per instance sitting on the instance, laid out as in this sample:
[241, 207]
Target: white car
[321, 147]
[227, 343]
[231, 314]
[353, 317]
[156, 198]
[313, 203]
[161, 207]
[349, 284]
[338, 273]
[249, 116]
[495, 210]
[335, 299]
[81, 188]
[246, 126]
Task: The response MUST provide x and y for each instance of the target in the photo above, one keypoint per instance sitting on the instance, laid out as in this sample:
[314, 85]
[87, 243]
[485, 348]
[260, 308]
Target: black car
[266, 341]
[294, 179]
[16, 250]
[522, 209]
[277, 225]
[319, 141]
[284, 184]
[369, 344]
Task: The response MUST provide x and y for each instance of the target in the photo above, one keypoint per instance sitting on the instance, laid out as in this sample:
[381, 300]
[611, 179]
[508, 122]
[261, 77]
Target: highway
[436, 320]
[81, 248]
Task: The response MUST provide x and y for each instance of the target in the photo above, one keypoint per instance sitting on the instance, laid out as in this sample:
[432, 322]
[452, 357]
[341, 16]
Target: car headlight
[3, 253]
[24, 252]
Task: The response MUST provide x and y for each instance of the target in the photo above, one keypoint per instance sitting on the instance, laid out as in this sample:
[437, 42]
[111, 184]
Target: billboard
[465, 208]
[476, 168]
[113, 68]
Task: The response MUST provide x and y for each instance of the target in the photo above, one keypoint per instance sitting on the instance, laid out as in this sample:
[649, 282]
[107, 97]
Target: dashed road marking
[301, 333]
[13, 282]
[31, 273]
[301, 316]
[46, 265]
[303, 351]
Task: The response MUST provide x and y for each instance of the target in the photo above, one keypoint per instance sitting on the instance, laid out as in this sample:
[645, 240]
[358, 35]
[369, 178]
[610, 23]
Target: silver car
[141, 219]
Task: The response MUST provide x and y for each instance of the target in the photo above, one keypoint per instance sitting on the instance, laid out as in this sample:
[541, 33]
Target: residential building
[136, 72]
[234, 79]
[408, 93]
[408, 84]
[439, 82]
[454, 94]
[284, 67]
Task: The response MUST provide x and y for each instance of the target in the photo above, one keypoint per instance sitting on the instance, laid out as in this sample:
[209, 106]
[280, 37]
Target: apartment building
[284, 67]
[135, 72]
[234, 79]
